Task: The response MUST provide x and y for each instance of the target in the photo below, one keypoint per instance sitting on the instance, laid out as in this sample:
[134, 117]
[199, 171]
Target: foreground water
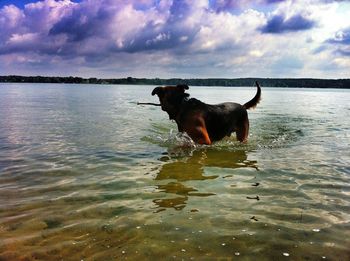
[86, 174]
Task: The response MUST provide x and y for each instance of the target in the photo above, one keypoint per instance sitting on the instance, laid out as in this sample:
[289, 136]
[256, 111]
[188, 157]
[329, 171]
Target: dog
[205, 123]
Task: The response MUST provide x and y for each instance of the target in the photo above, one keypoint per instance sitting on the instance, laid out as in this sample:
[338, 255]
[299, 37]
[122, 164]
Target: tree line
[266, 82]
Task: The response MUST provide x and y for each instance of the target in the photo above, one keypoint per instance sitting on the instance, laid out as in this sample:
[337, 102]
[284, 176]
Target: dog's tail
[253, 102]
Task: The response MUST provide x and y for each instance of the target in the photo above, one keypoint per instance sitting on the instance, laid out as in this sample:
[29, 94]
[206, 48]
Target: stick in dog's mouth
[148, 103]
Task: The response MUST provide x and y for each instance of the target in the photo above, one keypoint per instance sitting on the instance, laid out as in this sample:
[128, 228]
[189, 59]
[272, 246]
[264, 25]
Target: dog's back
[220, 119]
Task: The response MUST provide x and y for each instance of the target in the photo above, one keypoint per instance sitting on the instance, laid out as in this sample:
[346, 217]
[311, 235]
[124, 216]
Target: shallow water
[86, 174]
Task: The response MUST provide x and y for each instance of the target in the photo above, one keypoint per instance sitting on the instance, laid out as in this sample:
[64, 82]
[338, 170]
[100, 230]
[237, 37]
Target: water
[86, 174]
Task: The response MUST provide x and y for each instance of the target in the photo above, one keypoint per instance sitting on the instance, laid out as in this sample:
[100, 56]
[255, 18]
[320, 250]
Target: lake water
[86, 174]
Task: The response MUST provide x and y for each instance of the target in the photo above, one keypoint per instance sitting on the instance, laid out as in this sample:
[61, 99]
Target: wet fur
[205, 123]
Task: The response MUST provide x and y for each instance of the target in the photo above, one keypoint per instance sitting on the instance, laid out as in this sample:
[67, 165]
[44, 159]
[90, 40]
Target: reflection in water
[192, 168]
[177, 203]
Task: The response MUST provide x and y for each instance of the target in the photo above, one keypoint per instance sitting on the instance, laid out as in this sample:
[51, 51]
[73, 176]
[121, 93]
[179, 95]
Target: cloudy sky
[176, 38]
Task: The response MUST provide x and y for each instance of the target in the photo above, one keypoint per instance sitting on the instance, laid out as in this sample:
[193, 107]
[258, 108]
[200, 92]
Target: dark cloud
[153, 40]
[279, 24]
[341, 37]
[170, 35]
[344, 52]
[84, 21]
[227, 5]
[73, 27]
[340, 43]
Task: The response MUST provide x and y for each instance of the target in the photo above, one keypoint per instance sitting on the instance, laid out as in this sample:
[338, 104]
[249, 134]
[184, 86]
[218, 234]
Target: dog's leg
[199, 135]
[198, 131]
[203, 136]
[243, 130]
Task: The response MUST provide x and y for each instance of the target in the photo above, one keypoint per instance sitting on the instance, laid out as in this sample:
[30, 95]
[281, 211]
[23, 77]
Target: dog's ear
[183, 87]
[157, 90]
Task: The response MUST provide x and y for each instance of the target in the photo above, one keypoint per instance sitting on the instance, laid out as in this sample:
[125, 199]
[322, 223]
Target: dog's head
[171, 97]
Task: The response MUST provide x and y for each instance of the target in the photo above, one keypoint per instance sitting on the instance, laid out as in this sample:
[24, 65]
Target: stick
[148, 103]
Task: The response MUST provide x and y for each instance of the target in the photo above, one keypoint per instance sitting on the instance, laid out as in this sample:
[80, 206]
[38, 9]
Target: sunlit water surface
[86, 174]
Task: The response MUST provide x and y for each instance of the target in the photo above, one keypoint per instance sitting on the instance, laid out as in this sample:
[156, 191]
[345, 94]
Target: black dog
[205, 123]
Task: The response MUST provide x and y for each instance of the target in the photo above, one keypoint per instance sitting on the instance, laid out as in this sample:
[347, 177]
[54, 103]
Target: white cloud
[171, 38]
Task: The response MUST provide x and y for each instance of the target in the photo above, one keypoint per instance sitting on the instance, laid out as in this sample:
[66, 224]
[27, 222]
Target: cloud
[10, 18]
[226, 5]
[344, 51]
[209, 38]
[341, 37]
[339, 43]
[280, 24]
[288, 65]
[104, 27]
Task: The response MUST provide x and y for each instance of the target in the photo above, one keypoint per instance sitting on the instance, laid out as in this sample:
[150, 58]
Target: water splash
[179, 139]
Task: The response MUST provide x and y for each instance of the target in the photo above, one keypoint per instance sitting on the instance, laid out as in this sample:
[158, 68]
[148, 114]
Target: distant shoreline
[235, 82]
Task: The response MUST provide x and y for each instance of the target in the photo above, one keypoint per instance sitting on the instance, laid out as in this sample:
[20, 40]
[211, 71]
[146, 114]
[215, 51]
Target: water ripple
[85, 174]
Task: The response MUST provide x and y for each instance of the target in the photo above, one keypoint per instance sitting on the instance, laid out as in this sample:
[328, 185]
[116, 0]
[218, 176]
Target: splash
[176, 139]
